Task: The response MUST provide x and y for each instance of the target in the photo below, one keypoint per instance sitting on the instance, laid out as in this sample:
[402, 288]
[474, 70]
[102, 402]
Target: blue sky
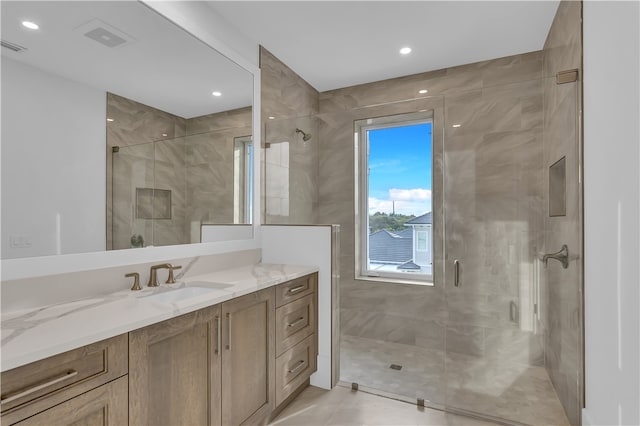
[400, 169]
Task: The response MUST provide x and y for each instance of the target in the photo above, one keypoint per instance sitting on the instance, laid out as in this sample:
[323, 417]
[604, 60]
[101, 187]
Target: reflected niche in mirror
[110, 104]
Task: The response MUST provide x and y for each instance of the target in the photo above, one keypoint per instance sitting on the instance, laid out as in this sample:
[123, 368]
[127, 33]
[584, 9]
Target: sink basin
[208, 285]
[179, 295]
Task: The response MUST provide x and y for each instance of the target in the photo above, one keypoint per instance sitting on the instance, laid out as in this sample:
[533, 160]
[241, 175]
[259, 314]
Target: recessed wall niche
[557, 188]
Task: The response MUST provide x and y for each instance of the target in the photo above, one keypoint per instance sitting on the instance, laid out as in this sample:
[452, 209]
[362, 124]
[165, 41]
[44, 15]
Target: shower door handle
[456, 273]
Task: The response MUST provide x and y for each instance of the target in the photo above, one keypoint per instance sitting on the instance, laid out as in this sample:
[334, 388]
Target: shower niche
[558, 188]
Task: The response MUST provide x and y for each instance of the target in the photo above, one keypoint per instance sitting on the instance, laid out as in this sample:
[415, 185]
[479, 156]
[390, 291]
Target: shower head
[305, 136]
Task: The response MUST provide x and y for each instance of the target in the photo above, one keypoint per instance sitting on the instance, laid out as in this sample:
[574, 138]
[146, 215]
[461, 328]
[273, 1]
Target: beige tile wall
[563, 287]
[293, 103]
[194, 161]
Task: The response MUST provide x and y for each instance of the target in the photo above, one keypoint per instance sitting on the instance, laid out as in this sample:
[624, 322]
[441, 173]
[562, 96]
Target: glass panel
[500, 324]
[132, 173]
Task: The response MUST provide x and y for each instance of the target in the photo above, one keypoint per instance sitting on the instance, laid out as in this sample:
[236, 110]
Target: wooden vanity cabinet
[174, 371]
[296, 336]
[210, 367]
[52, 390]
[248, 360]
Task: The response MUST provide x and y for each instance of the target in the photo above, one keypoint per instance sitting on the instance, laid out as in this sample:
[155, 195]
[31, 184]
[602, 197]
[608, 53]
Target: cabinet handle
[296, 322]
[228, 331]
[296, 288]
[456, 273]
[218, 335]
[298, 366]
[65, 376]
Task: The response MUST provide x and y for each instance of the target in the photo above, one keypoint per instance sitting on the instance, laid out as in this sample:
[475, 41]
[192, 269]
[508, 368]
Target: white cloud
[416, 194]
[401, 207]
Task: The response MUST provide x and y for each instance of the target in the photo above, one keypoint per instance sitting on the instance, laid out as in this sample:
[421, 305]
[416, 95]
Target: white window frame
[361, 190]
[243, 179]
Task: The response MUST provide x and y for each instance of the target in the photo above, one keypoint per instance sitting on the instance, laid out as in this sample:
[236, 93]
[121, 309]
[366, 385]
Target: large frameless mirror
[119, 130]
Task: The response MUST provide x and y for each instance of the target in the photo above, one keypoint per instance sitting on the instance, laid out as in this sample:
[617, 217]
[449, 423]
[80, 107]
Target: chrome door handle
[296, 289]
[298, 366]
[456, 273]
[296, 322]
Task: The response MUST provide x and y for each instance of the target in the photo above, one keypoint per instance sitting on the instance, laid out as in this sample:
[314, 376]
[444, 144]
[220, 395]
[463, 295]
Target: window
[393, 198]
[243, 180]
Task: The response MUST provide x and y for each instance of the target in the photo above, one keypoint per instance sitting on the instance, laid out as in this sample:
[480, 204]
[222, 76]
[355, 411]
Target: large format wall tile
[562, 288]
[293, 104]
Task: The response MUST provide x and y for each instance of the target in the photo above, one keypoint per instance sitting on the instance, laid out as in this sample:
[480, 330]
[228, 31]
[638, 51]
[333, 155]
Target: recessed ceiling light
[422, 91]
[109, 119]
[405, 50]
[272, 118]
[216, 94]
[164, 134]
[456, 125]
[30, 25]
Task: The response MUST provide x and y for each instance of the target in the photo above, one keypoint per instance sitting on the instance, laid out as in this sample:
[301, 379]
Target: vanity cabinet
[296, 335]
[210, 367]
[231, 364]
[39, 392]
[175, 371]
[248, 360]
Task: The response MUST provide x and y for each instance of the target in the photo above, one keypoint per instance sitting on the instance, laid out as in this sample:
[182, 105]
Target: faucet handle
[170, 279]
[136, 280]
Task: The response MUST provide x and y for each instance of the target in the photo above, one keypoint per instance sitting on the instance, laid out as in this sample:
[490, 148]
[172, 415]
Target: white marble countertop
[34, 334]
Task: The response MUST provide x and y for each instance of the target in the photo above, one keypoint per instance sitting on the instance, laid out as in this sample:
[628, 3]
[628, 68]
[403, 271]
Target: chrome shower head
[305, 136]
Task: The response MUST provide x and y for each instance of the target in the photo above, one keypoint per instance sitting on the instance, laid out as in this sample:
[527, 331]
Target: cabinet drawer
[42, 384]
[295, 289]
[294, 322]
[294, 367]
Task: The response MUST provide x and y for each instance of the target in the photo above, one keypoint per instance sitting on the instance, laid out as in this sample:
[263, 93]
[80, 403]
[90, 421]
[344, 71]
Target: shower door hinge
[568, 76]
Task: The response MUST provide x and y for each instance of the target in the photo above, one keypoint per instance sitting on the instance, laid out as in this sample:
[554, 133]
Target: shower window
[394, 187]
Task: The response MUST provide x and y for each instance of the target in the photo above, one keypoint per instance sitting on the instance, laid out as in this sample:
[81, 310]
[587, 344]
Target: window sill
[395, 280]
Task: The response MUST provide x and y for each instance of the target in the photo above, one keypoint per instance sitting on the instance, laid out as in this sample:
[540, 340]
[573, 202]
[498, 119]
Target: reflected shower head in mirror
[305, 136]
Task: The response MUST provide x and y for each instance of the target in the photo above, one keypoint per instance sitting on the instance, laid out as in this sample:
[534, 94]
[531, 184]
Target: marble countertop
[34, 334]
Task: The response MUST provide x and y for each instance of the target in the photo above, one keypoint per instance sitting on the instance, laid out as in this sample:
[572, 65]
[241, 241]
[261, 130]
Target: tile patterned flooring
[344, 407]
[504, 390]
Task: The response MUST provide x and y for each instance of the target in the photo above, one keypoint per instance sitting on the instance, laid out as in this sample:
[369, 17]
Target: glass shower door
[499, 142]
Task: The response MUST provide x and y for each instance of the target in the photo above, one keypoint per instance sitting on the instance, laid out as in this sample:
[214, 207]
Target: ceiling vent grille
[105, 34]
[12, 46]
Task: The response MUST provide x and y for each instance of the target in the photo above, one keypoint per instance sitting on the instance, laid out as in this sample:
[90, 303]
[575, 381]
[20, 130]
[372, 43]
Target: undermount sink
[179, 294]
[208, 284]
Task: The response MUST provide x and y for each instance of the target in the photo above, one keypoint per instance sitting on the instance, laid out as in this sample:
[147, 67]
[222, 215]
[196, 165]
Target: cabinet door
[248, 358]
[174, 371]
[104, 406]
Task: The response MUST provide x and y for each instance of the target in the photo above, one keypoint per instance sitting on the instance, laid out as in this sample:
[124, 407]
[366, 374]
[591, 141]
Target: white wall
[612, 211]
[53, 163]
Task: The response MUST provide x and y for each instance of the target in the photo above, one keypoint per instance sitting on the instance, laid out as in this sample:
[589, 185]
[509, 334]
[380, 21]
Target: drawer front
[294, 367]
[295, 321]
[295, 289]
[37, 386]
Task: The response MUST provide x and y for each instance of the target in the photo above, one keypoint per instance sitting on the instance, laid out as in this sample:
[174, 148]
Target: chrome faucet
[561, 256]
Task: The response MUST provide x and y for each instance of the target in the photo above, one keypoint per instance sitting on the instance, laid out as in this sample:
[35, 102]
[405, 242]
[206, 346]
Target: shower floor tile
[504, 390]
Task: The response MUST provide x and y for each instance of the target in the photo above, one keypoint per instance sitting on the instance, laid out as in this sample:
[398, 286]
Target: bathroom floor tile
[344, 407]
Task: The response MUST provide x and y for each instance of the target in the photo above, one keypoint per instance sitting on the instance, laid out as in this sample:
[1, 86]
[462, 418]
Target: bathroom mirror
[119, 130]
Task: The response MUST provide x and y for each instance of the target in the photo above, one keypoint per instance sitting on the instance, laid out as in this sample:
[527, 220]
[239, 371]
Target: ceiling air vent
[105, 34]
[11, 46]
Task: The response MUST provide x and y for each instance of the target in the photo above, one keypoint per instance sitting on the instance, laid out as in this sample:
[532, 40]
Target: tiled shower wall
[563, 287]
[500, 103]
[290, 165]
[194, 161]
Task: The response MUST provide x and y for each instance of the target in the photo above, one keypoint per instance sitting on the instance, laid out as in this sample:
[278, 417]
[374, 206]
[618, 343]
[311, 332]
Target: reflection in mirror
[172, 109]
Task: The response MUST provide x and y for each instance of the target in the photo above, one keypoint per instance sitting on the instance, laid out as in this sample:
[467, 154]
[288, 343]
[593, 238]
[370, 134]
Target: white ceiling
[163, 66]
[334, 44]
